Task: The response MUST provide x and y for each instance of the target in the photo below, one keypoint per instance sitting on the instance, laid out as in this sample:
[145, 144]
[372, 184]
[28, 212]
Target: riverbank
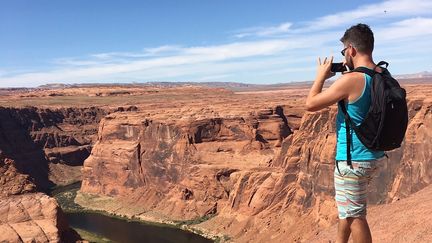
[73, 202]
[112, 207]
[65, 196]
[91, 237]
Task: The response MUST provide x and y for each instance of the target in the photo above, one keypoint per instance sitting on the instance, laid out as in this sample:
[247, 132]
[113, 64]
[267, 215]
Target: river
[119, 230]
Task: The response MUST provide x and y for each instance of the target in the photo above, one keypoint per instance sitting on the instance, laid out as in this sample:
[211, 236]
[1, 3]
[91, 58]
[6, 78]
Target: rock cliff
[34, 142]
[254, 175]
[180, 168]
[47, 143]
[252, 166]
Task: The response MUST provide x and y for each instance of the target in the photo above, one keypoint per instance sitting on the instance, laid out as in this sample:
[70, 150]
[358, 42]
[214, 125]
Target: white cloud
[265, 31]
[117, 57]
[365, 13]
[77, 62]
[408, 28]
[368, 13]
[147, 52]
[284, 49]
[209, 56]
[162, 50]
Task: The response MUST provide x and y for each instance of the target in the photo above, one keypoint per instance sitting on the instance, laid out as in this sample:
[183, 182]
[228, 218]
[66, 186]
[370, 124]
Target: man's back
[357, 108]
[352, 180]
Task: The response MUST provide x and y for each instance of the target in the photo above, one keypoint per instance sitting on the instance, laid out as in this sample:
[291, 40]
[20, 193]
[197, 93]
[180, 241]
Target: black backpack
[384, 125]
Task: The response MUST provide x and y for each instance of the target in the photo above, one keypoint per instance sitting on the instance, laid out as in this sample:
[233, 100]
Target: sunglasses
[343, 51]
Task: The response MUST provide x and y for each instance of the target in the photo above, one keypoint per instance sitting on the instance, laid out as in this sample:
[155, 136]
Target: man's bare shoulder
[347, 79]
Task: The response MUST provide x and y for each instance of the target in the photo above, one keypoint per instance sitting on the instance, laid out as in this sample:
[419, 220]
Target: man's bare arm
[317, 99]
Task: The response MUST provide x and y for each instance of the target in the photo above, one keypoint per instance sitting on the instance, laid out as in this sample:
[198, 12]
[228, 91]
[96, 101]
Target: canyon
[235, 165]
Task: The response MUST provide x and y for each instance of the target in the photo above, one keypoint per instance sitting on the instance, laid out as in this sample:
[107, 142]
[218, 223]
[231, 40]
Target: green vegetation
[224, 238]
[65, 196]
[197, 220]
[61, 188]
[91, 237]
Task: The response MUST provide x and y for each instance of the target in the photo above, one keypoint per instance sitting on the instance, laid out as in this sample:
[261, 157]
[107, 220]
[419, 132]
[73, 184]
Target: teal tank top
[357, 110]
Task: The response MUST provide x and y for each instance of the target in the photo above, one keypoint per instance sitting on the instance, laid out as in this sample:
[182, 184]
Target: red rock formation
[414, 171]
[157, 164]
[262, 182]
[12, 182]
[57, 138]
[405, 220]
[24, 168]
[265, 174]
[33, 217]
[17, 145]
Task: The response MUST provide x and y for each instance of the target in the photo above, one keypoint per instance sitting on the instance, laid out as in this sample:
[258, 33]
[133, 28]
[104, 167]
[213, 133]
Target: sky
[259, 42]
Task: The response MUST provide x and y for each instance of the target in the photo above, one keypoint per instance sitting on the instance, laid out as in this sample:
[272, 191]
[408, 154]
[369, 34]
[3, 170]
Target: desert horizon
[215, 121]
[220, 173]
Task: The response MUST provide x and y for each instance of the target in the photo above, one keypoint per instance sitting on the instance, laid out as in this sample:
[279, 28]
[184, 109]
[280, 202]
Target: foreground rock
[405, 220]
[33, 217]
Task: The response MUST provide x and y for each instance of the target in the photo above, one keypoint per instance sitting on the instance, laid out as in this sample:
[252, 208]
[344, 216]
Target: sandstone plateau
[248, 166]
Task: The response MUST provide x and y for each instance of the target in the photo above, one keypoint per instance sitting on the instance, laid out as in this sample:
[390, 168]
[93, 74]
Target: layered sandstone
[260, 177]
[41, 145]
[33, 143]
[405, 220]
[12, 182]
[180, 168]
[33, 217]
[49, 143]
[251, 165]
[19, 153]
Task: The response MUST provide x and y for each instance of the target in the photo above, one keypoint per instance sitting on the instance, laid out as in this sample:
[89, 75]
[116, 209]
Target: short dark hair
[361, 37]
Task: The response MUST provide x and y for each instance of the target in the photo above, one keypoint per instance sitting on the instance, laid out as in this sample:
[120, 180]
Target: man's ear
[353, 51]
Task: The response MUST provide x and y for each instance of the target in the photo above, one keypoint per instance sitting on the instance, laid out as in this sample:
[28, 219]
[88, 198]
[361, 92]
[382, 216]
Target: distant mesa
[158, 84]
[234, 86]
[424, 74]
[55, 86]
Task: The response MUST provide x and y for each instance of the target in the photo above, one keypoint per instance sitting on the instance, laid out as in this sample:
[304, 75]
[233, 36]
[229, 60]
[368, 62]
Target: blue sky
[238, 41]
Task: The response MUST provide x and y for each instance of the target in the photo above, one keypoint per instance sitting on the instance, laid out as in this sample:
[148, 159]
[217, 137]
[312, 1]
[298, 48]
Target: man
[354, 88]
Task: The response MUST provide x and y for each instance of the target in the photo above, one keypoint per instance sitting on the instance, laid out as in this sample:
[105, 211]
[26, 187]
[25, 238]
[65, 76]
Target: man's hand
[323, 71]
[318, 99]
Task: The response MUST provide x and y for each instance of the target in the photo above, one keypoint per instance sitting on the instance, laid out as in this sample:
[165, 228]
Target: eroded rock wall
[28, 136]
[261, 178]
[18, 151]
[49, 142]
[62, 132]
[180, 167]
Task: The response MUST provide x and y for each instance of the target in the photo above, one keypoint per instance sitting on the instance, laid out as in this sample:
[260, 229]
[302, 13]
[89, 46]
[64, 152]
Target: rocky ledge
[33, 217]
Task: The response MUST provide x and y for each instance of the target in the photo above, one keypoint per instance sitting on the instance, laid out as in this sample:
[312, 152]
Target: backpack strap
[385, 71]
[348, 124]
[371, 72]
[368, 71]
[382, 63]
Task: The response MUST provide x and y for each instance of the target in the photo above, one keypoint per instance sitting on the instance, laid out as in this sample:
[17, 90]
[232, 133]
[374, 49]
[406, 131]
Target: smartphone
[338, 67]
